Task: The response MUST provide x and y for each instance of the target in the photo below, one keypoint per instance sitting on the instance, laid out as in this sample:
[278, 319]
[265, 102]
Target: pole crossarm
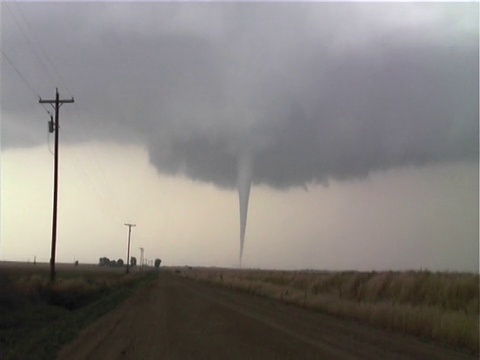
[54, 101]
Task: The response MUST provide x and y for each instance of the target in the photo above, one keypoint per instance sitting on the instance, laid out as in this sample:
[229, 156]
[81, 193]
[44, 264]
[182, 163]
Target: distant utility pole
[141, 257]
[128, 246]
[54, 126]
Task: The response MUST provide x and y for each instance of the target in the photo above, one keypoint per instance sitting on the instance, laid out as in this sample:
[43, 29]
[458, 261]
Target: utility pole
[141, 258]
[128, 246]
[54, 126]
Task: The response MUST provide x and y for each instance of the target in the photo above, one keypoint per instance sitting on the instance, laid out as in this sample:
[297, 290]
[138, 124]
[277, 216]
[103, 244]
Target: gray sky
[357, 125]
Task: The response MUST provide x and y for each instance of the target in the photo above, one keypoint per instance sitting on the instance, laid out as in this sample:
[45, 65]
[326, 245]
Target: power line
[33, 40]
[44, 53]
[92, 159]
[23, 78]
[19, 73]
[26, 22]
[95, 160]
[25, 35]
[27, 31]
[35, 93]
[82, 168]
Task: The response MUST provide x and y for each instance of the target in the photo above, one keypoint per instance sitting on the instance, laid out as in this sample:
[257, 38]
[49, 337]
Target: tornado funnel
[244, 179]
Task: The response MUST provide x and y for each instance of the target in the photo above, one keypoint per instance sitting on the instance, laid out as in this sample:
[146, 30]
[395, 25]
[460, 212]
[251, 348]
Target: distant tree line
[105, 261]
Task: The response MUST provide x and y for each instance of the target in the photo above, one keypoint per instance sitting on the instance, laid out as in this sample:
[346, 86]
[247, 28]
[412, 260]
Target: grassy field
[433, 305]
[37, 317]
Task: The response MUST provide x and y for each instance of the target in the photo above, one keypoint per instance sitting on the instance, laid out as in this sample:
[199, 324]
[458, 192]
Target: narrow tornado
[244, 179]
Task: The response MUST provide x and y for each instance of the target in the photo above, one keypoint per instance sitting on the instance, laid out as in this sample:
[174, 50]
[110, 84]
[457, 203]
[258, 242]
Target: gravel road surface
[177, 318]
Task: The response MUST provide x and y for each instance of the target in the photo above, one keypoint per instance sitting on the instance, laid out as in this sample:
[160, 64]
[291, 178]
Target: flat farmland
[62, 269]
[175, 317]
[38, 317]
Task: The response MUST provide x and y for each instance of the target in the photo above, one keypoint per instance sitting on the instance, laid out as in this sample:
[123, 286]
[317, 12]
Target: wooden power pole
[54, 126]
[128, 246]
[141, 258]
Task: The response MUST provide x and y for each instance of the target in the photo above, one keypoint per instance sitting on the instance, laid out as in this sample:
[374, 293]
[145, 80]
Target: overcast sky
[356, 125]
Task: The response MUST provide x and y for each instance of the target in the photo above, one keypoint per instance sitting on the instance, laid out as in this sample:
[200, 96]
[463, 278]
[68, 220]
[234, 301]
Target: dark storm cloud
[314, 91]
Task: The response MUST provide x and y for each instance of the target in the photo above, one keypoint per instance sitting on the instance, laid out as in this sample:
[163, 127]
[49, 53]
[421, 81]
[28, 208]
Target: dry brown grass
[38, 317]
[22, 281]
[436, 305]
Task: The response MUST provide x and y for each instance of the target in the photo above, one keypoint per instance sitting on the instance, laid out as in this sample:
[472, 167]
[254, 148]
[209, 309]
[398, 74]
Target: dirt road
[176, 318]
